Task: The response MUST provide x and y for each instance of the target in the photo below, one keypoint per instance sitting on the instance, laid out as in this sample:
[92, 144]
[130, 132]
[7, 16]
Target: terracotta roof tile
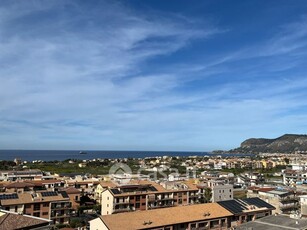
[10, 221]
[164, 216]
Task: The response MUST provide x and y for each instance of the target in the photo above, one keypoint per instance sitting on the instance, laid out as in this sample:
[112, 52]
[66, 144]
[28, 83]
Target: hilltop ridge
[288, 143]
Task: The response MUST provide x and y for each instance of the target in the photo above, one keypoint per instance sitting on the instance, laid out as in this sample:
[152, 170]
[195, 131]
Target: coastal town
[220, 192]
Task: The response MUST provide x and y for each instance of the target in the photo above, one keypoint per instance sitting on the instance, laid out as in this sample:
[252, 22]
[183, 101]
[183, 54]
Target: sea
[61, 155]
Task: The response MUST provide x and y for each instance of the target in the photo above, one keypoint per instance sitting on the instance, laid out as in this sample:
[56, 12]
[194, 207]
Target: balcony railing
[290, 205]
[61, 207]
[119, 210]
[121, 202]
[160, 206]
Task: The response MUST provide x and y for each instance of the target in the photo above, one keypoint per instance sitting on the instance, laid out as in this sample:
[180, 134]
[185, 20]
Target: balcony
[166, 198]
[59, 207]
[288, 198]
[194, 196]
[160, 206]
[126, 201]
[60, 215]
[288, 206]
[119, 210]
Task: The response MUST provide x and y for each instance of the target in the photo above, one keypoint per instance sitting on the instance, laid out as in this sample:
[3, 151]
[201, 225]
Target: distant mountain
[288, 143]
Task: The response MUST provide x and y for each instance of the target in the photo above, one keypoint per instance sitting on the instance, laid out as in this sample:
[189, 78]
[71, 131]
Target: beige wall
[97, 224]
[107, 201]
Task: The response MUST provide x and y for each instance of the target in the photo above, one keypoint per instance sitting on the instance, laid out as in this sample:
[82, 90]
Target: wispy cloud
[99, 75]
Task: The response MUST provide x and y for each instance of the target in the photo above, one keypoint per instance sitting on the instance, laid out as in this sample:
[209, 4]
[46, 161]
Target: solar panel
[258, 202]
[8, 196]
[232, 205]
[115, 191]
[44, 194]
[64, 194]
[153, 189]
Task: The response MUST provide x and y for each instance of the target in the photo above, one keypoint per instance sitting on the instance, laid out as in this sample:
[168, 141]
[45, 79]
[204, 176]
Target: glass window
[37, 207]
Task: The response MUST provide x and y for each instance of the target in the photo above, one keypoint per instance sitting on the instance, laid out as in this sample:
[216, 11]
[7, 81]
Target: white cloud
[74, 78]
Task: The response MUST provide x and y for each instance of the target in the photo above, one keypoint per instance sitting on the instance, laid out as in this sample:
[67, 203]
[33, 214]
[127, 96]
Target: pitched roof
[11, 221]
[107, 184]
[261, 189]
[71, 190]
[164, 216]
[19, 185]
[27, 198]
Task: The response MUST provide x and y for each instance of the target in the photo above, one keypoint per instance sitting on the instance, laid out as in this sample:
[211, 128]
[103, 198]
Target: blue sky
[151, 75]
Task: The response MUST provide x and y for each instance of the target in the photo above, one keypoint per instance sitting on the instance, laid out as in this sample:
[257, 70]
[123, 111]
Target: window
[132, 198]
[144, 196]
[37, 207]
[143, 204]
[108, 198]
[202, 225]
[137, 198]
[37, 214]
[45, 205]
[214, 223]
[137, 205]
[107, 205]
[45, 213]
[28, 206]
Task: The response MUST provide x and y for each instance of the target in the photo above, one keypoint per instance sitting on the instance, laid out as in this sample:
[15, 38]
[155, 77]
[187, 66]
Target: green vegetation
[7, 165]
[239, 194]
[66, 167]
[235, 171]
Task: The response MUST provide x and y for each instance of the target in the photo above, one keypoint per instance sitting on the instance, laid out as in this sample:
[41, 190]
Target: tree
[207, 195]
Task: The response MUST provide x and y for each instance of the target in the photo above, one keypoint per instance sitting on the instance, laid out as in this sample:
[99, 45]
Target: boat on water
[81, 152]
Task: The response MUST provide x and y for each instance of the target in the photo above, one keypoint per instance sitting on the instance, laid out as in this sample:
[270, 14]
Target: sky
[151, 75]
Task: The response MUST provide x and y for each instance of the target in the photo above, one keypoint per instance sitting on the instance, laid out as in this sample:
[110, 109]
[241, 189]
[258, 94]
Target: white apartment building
[222, 192]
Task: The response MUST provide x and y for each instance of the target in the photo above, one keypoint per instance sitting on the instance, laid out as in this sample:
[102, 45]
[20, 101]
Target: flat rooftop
[279, 192]
[280, 222]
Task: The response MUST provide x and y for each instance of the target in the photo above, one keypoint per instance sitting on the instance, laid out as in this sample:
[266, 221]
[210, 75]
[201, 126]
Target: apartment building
[284, 201]
[74, 196]
[84, 186]
[18, 187]
[102, 186]
[32, 174]
[251, 179]
[145, 195]
[222, 192]
[55, 206]
[292, 177]
[198, 216]
[245, 210]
